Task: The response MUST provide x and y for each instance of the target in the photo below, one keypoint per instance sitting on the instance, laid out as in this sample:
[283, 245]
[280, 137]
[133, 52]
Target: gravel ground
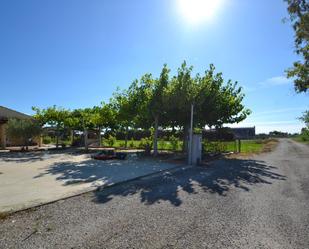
[261, 202]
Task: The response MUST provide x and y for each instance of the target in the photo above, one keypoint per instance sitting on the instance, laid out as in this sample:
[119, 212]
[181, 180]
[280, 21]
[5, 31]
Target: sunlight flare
[197, 11]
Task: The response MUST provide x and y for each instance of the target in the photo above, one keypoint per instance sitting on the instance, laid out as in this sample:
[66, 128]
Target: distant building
[5, 115]
[243, 132]
[227, 133]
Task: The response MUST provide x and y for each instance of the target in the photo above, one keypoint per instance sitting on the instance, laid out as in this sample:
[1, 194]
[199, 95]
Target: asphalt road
[258, 203]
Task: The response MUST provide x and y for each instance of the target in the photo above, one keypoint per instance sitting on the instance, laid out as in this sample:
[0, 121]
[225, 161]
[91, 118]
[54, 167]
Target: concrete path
[30, 179]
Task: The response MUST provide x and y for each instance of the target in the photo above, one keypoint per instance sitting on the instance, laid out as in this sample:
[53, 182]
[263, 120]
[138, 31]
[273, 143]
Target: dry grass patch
[4, 215]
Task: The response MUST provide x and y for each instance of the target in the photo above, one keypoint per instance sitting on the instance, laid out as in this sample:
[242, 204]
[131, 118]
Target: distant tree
[24, 129]
[305, 118]
[299, 16]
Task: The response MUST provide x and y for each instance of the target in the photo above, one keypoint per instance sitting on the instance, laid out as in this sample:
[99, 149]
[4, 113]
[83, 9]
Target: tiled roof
[6, 113]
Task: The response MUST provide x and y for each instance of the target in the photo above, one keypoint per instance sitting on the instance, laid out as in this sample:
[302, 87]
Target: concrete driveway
[30, 179]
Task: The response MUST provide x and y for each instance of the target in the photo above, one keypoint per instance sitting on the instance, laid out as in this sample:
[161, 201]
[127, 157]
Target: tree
[218, 103]
[24, 129]
[53, 116]
[157, 103]
[215, 103]
[299, 17]
[305, 118]
[126, 105]
[180, 97]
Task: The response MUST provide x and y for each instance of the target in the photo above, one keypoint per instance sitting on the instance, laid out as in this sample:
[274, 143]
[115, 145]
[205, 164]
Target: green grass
[247, 146]
[301, 139]
[135, 144]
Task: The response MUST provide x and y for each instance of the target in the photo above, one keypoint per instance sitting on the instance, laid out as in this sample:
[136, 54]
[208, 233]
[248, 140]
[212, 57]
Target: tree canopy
[299, 16]
[151, 103]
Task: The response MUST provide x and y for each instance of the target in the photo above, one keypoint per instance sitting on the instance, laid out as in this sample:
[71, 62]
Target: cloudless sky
[74, 53]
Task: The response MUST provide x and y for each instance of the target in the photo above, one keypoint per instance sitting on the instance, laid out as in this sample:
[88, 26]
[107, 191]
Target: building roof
[244, 132]
[6, 113]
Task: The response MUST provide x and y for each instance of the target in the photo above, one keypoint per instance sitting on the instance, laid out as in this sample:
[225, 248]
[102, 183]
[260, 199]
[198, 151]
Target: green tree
[215, 103]
[157, 102]
[53, 116]
[218, 103]
[305, 118]
[126, 108]
[299, 16]
[24, 129]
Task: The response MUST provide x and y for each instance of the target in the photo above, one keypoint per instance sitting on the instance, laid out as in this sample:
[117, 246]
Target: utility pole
[190, 137]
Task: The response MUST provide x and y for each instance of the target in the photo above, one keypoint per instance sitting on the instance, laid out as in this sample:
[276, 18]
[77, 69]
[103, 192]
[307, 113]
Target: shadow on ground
[103, 172]
[33, 156]
[220, 178]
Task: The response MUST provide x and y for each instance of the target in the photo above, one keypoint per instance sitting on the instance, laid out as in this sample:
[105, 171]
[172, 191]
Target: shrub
[47, 140]
[24, 129]
[131, 144]
[111, 140]
[146, 144]
[214, 147]
[174, 142]
[122, 145]
[161, 144]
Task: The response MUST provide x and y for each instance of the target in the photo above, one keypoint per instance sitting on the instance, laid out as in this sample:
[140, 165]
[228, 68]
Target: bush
[146, 144]
[47, 140]
[304, 134]
[214, 147]
[111, 140]
[122, 145]
[174, 142]
[161, 144]
[131, 144]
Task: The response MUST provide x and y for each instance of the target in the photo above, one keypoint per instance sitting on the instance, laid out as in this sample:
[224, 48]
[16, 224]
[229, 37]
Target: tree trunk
[185, 139]
[86, 139]
[126, 137]
[155, 137]
[72, 136]
[100, 137]
[57, 137]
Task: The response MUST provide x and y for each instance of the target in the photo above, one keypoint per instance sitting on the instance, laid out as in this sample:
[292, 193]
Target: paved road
[258, 203]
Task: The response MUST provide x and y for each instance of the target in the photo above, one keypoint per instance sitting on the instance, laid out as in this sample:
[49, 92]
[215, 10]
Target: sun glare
[197, 11]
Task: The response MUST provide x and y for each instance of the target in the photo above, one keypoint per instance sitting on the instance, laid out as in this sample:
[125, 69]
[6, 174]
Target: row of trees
[150, 103]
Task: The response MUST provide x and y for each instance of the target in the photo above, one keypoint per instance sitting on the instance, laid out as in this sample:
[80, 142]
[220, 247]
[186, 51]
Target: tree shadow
[103, 172]
[32, 156]
[220, 178]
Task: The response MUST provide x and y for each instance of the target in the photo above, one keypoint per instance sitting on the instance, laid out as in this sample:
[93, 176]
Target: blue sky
[75, 53]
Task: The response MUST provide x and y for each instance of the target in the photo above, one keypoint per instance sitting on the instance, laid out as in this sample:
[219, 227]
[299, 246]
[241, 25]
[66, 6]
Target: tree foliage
[24, 129]
[305, 118]
[150, 103]
[299, 16]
